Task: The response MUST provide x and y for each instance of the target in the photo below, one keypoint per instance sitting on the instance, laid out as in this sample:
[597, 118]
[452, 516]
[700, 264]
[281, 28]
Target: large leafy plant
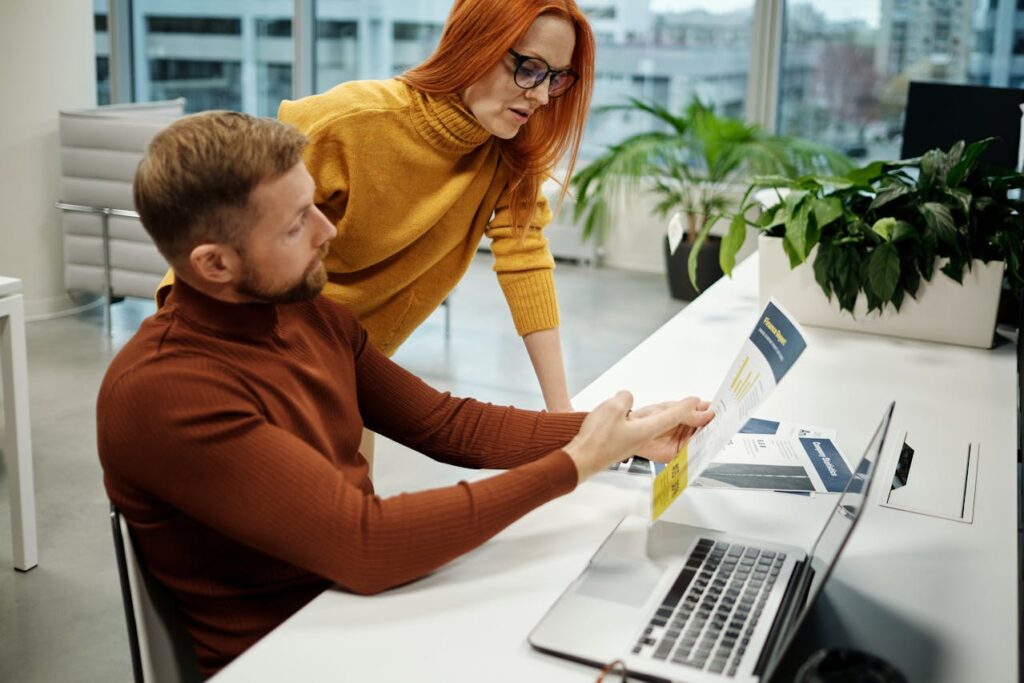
[691, 162]
[882, 229]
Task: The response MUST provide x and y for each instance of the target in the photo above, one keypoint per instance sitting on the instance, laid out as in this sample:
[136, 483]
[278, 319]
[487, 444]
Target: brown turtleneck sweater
[228, 435]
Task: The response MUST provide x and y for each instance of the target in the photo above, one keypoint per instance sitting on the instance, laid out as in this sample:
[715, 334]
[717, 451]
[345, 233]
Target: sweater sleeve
[525, 266]
[202, 445]
[324, 156]
[325, 160]
[458, 431]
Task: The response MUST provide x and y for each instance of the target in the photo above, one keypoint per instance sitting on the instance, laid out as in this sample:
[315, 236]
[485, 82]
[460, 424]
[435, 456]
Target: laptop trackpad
[625, 581]
[623, 571]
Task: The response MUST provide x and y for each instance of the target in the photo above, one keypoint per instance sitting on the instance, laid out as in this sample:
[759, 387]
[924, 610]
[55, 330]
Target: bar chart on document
[772, 348]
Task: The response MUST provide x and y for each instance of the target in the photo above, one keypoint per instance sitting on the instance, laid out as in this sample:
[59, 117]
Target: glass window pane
[362, 39]
[667, 52]
[220, 54]
[336, 50]
[102, 42]
[847, 64]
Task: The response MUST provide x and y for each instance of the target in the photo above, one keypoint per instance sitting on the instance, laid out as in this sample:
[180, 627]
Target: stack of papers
[769, 456]
[765, 357]
[778, 456]
[738, 451]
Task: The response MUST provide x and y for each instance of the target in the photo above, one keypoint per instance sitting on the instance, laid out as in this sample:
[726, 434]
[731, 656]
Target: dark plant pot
[708, 269]
[1010, 310]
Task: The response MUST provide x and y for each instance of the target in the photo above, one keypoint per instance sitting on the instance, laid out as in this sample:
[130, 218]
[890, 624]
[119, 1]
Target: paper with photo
[767, 354]
[795, 464]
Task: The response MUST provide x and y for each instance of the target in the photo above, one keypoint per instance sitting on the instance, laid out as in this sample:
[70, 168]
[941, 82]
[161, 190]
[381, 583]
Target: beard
[311, 283]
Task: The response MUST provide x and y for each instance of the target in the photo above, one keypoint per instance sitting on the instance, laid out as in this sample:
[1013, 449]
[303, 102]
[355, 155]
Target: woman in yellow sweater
[414, 171]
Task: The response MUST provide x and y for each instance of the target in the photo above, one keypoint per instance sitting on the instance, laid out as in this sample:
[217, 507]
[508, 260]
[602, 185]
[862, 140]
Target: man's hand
[613, 432]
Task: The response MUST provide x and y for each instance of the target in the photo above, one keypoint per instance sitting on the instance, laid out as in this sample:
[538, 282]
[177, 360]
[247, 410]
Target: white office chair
[161, 648]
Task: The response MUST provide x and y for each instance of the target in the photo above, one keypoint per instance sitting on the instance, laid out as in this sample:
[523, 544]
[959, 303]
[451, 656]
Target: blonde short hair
[193, 184]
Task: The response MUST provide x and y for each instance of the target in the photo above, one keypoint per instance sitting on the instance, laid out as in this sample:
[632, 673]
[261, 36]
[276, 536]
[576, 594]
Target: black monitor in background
[939, 114]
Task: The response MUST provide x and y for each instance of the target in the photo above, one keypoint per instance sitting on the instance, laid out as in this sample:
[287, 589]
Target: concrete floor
[63, 621]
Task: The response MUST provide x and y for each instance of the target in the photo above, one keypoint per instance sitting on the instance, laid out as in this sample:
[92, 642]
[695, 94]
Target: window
[235, 55]
[355, 41]
[413, 42]
[846, 66]
[102, 46]
[667, 51]
[218, 55]
[336, 52]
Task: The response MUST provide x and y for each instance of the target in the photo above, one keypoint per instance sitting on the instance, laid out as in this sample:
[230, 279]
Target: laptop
[680, 603]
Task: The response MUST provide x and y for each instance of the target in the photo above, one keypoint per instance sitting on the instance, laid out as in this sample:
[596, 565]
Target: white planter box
[943, 311]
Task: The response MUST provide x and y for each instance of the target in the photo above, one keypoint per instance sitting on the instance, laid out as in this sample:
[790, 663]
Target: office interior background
[833, 71]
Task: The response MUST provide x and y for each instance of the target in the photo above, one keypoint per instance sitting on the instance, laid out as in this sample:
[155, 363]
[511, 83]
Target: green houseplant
[883, 228]
[691, 163]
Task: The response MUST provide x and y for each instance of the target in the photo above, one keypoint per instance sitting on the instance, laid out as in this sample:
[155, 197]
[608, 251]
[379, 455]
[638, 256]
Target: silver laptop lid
[835, 534]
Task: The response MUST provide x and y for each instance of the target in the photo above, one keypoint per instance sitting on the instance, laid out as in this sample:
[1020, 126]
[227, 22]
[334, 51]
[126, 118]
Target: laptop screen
[837, 531]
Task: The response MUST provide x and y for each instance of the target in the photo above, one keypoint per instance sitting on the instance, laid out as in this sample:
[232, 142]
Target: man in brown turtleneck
[229, 425]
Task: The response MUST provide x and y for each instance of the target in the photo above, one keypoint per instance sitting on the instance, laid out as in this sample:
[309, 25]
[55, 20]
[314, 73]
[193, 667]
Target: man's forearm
[545, 349]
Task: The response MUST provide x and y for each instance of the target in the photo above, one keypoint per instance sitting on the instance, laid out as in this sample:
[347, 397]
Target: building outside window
[844, 74]
[857, 59]
[227, 54]
[102, 42]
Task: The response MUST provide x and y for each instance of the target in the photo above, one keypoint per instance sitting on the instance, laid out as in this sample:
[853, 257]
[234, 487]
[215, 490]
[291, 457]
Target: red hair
[477, 35]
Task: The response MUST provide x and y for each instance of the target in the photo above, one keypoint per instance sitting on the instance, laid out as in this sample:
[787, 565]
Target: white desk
[17, 446]
[935, 597]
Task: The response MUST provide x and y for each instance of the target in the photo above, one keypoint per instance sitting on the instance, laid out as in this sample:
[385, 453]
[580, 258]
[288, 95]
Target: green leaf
[702, 234]
[797, 226]
[847, 276]
[929, 247]
[731, 243]
[776, 215]
[888, 194]
[865, 175]
[903, 230]
[961, 169]
[884, 227]
[963, 198]
[794, 258]
[823, 269]
[954, 155]
[884, 271]
[910, 280]
[931, 166]
[826, 210]
[897, 298]
[954, 269]
[940, 220]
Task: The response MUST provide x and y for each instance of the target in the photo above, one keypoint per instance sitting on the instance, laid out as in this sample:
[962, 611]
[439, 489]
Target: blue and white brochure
[772, 348]
[796, 462]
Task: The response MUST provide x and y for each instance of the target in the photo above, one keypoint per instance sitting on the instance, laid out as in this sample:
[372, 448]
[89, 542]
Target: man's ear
[216, 264]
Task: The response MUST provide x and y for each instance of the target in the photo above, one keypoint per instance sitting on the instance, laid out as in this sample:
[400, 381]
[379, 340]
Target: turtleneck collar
[445, 123]
[221, 316]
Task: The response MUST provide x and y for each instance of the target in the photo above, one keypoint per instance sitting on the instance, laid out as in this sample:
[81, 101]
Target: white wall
[47, 63]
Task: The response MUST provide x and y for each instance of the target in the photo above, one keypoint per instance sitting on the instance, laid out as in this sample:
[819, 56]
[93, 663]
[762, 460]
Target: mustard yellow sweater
[412, 183]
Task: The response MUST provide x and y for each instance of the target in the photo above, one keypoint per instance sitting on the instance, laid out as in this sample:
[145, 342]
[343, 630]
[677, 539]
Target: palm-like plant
[692, 165]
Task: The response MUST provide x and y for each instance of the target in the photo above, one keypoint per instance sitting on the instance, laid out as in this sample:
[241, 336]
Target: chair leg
[18, 446]
[447, 320]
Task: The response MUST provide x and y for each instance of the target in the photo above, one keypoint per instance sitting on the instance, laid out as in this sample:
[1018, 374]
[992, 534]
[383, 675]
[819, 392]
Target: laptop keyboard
[709, 614]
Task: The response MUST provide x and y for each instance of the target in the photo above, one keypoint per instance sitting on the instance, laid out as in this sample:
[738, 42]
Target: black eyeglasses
[532, 71]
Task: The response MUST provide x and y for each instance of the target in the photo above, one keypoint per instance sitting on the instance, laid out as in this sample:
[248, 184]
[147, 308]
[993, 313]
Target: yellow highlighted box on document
[669, 483]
